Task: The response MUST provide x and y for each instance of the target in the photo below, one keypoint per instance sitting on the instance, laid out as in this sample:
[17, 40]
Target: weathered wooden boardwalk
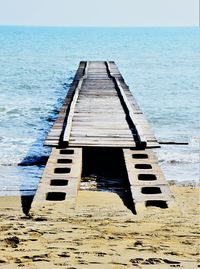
[100, 111]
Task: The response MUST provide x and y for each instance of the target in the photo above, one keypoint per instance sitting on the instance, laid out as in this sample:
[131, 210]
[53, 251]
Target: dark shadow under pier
[106, 166]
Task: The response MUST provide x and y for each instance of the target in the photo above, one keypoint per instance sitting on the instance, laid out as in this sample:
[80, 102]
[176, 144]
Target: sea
[37, 65]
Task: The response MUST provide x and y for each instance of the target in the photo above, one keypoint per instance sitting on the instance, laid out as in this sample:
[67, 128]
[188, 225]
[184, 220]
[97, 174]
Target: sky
[100, 12]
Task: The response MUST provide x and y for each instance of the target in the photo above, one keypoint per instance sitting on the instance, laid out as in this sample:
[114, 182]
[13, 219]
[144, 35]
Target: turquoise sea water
[37, 64]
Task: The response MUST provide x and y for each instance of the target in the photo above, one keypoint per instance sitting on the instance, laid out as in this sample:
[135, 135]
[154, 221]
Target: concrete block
[155, 193]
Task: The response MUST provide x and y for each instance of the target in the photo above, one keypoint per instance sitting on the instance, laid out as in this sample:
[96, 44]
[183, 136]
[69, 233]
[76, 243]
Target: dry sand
[101, 233]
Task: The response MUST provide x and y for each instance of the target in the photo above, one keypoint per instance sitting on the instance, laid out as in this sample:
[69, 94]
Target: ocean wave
[173, 157]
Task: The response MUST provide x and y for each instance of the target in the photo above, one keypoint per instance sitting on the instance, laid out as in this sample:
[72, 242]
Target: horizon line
[101, 26]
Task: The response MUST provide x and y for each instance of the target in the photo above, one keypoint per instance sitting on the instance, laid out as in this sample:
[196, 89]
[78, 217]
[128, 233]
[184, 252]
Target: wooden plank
[97, 144]
[93, 108]
[72, 107]
[66, 103]
[128, 106]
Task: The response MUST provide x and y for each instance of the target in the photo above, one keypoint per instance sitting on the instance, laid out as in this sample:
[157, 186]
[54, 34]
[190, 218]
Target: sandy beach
[101, 233]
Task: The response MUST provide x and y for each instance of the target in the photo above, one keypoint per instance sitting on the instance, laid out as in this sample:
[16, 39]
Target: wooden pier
[100, 111]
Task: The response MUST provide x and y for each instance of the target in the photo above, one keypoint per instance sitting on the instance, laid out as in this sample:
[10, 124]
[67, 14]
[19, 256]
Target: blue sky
[99, 12]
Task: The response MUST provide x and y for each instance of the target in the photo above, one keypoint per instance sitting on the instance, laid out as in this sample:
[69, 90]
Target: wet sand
[101, 233]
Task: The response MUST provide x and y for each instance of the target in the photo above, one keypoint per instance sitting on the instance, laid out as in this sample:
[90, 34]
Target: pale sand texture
[101, 233]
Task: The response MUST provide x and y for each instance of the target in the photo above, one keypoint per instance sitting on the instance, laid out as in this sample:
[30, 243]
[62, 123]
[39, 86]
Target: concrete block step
[61, 178]
[147, 181]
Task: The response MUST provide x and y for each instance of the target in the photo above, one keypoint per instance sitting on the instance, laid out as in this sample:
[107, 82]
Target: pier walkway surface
[100, 112]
